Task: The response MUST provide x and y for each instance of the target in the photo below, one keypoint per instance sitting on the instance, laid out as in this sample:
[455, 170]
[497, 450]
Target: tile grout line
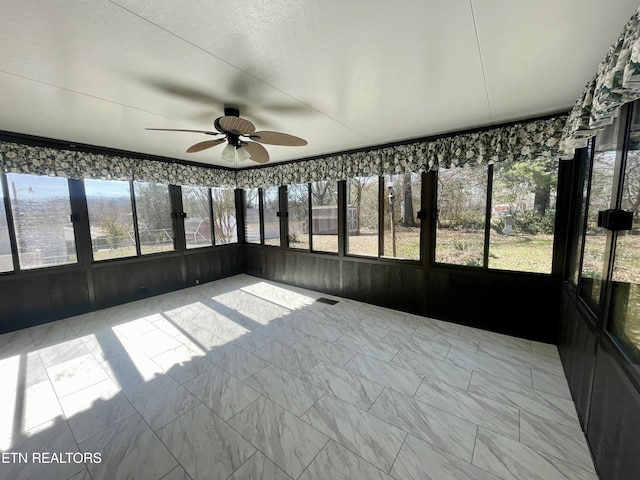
[243, 463]
[329, 439]
[398, 453]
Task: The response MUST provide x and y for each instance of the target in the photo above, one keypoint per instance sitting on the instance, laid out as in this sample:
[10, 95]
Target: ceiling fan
[241, 137]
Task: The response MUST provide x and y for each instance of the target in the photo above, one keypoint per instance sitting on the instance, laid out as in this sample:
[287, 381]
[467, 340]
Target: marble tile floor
[244, 379]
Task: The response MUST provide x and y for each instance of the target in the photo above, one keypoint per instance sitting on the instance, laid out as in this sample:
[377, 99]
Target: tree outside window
[197, 225]
[401, 235]
[225, 226]
[462, 203]
[298, 207]
[362, 216]
[523, 215]
[153, 208]
[110, 219]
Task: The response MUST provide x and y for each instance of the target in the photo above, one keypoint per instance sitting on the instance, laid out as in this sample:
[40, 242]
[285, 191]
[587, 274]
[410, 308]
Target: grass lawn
[524, 253]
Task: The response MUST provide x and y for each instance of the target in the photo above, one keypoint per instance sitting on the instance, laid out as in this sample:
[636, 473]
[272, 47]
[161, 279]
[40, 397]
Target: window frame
[260, 217]
[13, 236]
[184, 216]
[487, 233]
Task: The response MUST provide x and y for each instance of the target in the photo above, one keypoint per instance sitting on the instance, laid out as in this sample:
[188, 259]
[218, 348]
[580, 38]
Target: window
[460, 230]
[362, 216]
[298, 207]
[6, 258]
[583, 164]
[523, 215]
[595, 239]
[110, 219]
[153, 209]
[324, 216]
[625, 285]
[196, 203]
[252, 215]
[42, 219]
[401, 236]
[225, 226]
[271, 207]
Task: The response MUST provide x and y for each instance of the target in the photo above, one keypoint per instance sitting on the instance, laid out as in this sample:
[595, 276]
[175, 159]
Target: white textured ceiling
[342, 74]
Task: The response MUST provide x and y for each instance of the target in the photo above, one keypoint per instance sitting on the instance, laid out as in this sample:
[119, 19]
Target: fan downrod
[231, 112]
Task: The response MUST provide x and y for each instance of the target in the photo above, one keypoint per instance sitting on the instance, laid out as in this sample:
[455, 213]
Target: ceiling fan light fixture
[243, 153]
[229, 153]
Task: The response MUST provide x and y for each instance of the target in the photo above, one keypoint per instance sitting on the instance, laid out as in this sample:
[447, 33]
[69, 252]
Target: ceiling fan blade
[258, 152]
[181, 130]
[237, 125]
[277, 138]
[204, 145]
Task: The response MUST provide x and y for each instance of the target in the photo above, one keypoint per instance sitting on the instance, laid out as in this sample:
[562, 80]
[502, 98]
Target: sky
[39, 187]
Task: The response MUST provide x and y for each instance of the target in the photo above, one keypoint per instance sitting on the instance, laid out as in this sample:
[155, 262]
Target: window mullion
[134, 210]
[10, 223]
[310, 217]
[487, 217]
[211, 222]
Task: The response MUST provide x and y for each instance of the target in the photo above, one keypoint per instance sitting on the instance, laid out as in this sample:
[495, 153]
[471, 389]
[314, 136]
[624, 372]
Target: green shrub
[532, 222]
[464, 221]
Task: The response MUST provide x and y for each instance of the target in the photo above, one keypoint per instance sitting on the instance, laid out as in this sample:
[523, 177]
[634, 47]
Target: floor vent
[328, 301]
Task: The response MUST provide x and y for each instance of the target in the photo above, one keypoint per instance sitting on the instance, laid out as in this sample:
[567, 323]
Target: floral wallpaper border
[519, 141]
[18, 158]
[616, 82]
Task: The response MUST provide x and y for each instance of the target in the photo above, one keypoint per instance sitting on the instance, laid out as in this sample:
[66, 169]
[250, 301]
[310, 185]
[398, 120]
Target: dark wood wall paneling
[606, 397]
[525, 305]
[577, 347]
[32, 298]
[614, 419]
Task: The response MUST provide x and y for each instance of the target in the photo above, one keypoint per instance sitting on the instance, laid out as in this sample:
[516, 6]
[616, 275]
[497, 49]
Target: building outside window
[324, 216]
[196, 203]
[523, 216]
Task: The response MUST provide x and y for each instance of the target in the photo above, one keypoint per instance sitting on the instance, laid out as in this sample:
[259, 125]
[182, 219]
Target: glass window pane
[362, 216]
[110, 219]
[6, 258]
[225, 226]
[595, 240]
[523, 215]
[42, 218]
[583, 190]
[625, 288]
[153, 208]
[298, 205]
[462, 203]
[271, 207]
[324, 215]
[197, 225]
[401, 234]
[252, 215]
